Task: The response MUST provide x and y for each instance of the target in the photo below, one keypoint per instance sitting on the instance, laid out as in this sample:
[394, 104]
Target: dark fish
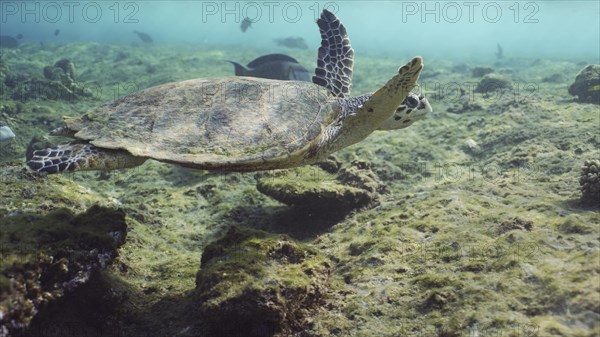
[292, 42]
[8, 42]
[245, 25]
[273, 66]
[56, 32]
[143, 36]
[19, 36]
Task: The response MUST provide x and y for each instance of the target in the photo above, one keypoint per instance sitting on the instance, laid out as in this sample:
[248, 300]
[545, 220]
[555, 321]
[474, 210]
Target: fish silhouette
[143, 36]
[246, 23]
[273, 66]
[292, 42]
[8, 42]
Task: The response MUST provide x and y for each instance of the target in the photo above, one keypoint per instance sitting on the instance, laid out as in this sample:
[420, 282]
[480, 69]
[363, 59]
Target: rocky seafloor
[482, 219]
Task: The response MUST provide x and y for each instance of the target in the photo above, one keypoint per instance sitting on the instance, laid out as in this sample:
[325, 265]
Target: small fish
[143, 36]
[246, 23]
[56, 32]
[292, 42]
[8, 42]
[19, 36]
[273, 66]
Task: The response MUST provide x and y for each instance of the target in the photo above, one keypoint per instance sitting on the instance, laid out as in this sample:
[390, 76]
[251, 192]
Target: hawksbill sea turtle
[240, 123]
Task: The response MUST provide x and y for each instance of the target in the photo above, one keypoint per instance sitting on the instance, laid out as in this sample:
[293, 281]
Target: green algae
[587, 85]
[47, 249]
[265, 281]
[440, 253]
[315, 189]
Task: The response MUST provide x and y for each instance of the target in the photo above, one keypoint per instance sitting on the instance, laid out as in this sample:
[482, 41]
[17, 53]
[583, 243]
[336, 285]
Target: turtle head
[393, 106]
[412, 108]
[361, 115]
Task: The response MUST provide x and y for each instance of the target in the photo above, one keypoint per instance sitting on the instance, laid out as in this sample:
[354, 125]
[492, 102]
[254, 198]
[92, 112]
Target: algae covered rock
[59, 83]
[47, 256]
[590, 182]
[481, 71]
[553, 78]
[492, 82]
[50, 243]
[465, 106]
[67, 67]
[62, 82]
[252, 283]
[587, 85]
[514, 224]
[313, 188]
[471, 147]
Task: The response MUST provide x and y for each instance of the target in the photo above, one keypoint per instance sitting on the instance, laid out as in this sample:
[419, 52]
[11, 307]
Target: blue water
[465, 30]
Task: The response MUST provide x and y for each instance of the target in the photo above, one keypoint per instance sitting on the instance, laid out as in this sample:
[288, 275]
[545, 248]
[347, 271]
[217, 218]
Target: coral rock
[587, 84]
[590, 182]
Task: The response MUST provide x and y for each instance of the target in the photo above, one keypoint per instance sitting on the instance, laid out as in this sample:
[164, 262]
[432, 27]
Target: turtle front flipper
[336, 56]
[77, 156]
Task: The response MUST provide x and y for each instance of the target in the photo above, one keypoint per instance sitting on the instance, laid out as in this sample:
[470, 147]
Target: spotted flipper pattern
[336, 56]
[77, 156]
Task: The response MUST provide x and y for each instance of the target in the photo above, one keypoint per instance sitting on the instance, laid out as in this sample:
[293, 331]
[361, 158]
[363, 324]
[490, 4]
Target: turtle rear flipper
[77, 156]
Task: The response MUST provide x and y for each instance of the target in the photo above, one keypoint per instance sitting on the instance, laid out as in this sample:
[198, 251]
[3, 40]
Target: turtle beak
[424, 106]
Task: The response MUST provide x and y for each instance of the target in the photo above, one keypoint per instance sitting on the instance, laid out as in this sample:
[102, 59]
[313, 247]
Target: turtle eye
[412, 101]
